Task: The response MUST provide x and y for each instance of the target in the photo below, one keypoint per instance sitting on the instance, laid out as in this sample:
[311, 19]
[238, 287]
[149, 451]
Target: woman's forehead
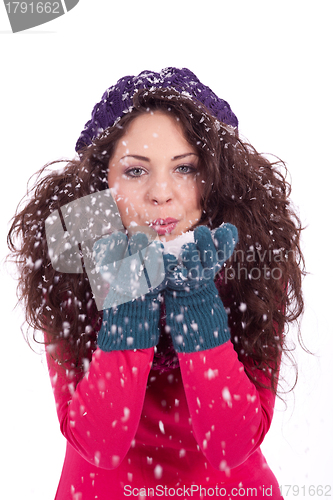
[151, 130]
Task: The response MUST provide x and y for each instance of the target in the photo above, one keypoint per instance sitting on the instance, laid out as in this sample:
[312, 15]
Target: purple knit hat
[118, 100]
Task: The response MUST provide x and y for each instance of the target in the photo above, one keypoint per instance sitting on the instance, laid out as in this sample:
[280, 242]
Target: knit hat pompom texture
[118, 99]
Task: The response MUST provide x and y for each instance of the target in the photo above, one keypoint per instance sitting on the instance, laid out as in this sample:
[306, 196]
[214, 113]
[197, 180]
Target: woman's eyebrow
[137, 157]
[179, 157]
[144, 158]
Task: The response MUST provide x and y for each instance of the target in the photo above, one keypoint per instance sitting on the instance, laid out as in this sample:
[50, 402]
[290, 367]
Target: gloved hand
[135, 271]
[195, 315]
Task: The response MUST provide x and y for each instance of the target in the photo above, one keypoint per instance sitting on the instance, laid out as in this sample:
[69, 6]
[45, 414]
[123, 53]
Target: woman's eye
[186, 169]
[134, 172]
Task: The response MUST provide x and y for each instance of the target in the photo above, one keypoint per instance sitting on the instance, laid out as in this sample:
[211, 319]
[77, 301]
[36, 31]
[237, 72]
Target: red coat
[184, 431]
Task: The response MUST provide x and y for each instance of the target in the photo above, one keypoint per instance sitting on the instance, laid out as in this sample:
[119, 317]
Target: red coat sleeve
[99, 412]
[230, 415]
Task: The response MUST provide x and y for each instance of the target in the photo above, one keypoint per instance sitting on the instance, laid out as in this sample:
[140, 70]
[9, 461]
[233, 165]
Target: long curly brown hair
[260, 285]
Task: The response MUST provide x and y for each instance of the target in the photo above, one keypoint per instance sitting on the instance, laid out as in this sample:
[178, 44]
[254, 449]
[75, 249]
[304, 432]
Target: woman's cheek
[115, 189]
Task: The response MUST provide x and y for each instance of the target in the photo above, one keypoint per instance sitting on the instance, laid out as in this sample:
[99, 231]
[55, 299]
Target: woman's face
[154, 177]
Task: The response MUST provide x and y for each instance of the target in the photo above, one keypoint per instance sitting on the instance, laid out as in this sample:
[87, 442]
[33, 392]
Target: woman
[164, 394]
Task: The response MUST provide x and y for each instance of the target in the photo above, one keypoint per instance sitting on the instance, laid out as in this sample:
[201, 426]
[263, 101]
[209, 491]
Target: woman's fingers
[206, 247]
[225, 239]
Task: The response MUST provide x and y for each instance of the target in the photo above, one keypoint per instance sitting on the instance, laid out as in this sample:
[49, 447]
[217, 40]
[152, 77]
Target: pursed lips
[164, 226]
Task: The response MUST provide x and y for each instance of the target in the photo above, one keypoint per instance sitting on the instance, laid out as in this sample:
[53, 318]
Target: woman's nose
[161, 192]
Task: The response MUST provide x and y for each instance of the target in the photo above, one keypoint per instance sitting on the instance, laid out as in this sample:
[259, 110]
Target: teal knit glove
[195, 315]
[135, 272]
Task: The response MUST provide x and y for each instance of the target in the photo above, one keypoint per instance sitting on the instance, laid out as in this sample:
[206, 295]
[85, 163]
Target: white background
[272, 60]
